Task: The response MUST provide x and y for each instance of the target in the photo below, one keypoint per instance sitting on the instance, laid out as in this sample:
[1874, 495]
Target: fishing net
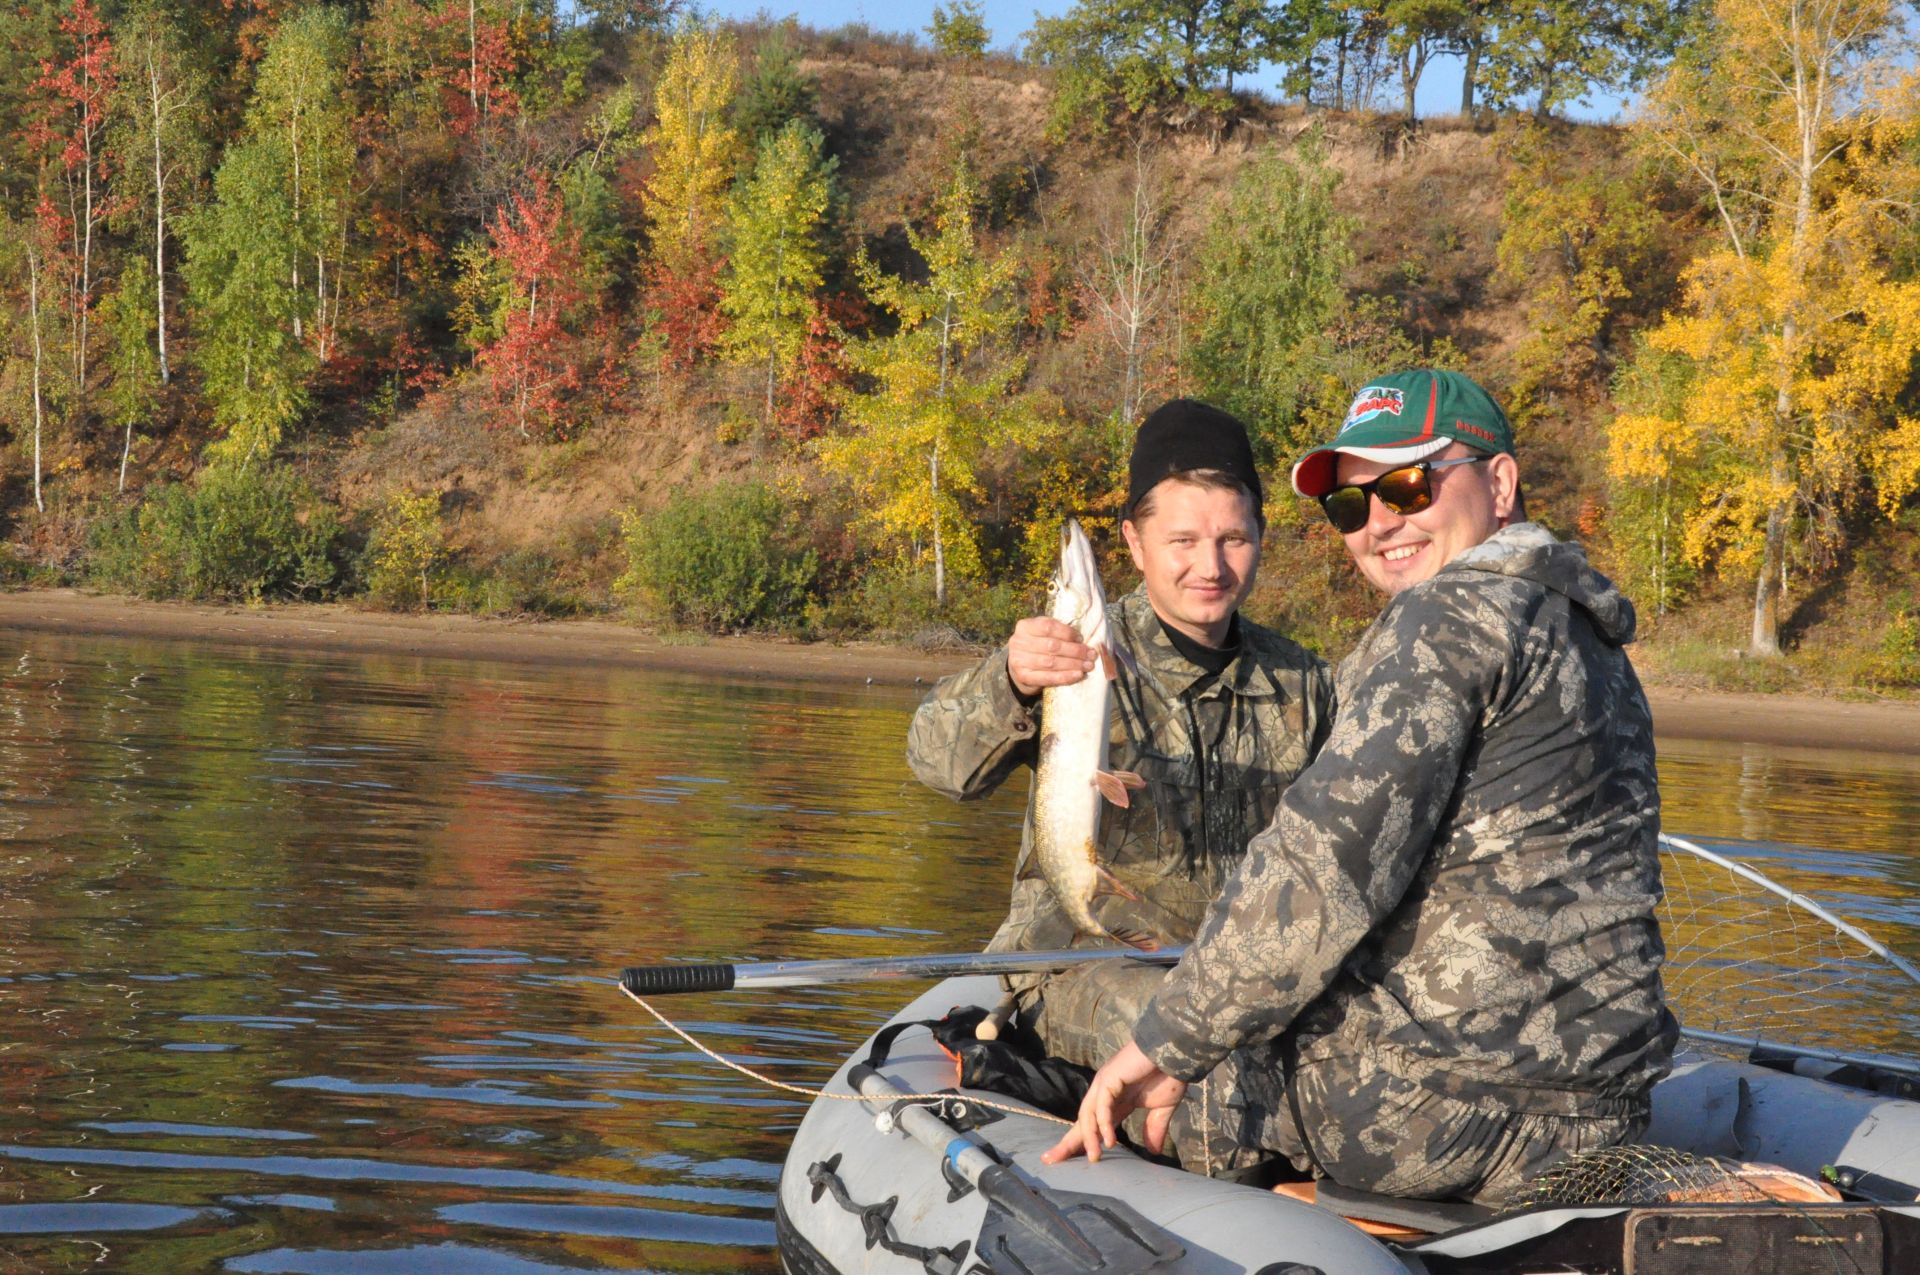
[1648, 1175]
[1753, 963]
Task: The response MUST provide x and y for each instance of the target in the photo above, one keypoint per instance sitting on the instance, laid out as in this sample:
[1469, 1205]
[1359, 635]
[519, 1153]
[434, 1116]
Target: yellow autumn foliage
[693, 147]
[1797, 339]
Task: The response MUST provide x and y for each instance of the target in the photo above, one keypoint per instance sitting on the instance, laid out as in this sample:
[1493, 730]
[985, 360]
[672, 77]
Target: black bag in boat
[1015, 1065]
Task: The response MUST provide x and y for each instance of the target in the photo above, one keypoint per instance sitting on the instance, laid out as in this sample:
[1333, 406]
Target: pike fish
[1073, 779]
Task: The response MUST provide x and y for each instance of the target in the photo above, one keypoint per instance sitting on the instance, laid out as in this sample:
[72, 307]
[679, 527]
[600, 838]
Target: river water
[304, 963]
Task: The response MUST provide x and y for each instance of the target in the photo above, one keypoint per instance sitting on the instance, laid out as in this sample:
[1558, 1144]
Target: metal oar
[665, 980]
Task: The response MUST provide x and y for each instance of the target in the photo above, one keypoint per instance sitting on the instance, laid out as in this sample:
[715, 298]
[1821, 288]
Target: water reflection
[305, 961]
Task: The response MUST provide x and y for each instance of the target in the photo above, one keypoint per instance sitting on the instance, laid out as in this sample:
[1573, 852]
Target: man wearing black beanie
[1216, 713]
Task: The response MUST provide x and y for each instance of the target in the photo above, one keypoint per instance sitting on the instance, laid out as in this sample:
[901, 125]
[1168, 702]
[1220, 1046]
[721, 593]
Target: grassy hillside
[409, 403]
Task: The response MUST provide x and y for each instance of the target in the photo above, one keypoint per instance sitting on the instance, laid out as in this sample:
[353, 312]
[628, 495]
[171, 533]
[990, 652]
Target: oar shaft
[665, 980]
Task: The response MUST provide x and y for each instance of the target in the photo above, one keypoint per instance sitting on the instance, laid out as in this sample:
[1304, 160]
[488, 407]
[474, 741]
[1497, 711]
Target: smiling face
[1197, 549]
[1470, 503]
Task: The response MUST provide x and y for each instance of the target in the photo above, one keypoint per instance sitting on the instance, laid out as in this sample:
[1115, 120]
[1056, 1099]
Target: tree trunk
[159, 232]
[1765, 643]
[1468, 74]
[33, 311]
[939, 546]
[473, 58]
[1340, 70]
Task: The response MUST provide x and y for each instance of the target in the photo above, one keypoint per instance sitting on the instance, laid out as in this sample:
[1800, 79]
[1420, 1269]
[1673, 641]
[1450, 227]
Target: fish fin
[1109, 665]
[1135, 939]
[1110, 884]
[1113, 785]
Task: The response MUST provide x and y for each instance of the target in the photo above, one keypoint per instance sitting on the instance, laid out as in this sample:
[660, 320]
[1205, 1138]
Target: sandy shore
[1678, 713]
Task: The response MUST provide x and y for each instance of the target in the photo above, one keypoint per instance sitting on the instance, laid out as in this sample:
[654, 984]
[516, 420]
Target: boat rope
[805, 1092]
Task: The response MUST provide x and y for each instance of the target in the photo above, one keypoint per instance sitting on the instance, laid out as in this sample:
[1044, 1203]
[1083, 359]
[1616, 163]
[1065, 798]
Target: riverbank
[1679, 712]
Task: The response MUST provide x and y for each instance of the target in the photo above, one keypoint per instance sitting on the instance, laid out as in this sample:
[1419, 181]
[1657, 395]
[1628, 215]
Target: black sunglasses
[1406, 490]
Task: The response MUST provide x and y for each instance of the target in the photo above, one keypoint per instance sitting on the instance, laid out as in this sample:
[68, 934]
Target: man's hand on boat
[1044, 652]
[1128, 1082]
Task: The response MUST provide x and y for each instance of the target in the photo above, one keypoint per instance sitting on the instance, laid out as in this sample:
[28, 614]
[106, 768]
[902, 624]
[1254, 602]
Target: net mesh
[1648, 1175]
[1745, 962]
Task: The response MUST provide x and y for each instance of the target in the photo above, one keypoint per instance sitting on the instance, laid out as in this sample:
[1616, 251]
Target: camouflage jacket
[1462, 885]
[1216, 753]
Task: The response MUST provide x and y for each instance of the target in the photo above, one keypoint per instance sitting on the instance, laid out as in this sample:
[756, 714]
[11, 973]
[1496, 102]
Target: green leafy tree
[1133, 56]
[241, 288]
[1269, 287]
[588, 188]
[777, 260]
[776, 92]
[959, 30]
[1557, 51]
[137, 370]
[940, 397]
[300, 97]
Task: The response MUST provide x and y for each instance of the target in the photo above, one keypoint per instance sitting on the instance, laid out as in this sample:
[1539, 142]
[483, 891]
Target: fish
[1072, 780]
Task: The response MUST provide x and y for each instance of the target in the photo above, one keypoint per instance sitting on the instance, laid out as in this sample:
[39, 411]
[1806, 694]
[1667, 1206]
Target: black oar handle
[667, 980]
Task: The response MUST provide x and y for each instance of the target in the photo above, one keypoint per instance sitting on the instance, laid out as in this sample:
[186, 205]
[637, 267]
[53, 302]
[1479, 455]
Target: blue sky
[1009, 20]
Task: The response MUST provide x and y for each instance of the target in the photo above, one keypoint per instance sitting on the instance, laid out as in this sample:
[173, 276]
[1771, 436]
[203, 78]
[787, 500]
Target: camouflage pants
[1337, 1113]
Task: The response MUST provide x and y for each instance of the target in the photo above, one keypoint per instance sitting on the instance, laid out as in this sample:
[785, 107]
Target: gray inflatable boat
[886, 1185]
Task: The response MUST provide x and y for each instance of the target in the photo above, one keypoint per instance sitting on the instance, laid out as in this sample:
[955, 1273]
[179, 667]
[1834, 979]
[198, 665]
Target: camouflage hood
[1528, 551]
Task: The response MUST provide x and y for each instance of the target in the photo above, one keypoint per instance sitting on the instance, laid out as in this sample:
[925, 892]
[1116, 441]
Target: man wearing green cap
[1438, 970]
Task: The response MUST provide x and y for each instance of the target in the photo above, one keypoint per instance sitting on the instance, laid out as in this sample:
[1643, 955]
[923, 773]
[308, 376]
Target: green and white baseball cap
[1405, 417]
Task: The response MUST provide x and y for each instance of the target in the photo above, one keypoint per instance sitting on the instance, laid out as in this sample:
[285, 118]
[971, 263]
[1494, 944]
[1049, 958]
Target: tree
[1132, 56]
[1269, 288]
[1341, 55]
[1557, 51]
[241, 289]
[300, 96]
[1583, 241]
[777, 91]
[683, 201]
[940, 393]
[777, 260]
[1129, 282]
[1800, 342]
[959, 30]
[130, 319]
[161, 150]
[76, 94]
[528, 365]
[1418, 30]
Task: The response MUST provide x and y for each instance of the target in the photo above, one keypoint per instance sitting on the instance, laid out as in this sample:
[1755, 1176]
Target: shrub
[408, 546]
[237, 532]
[896, 603]
[723, 558]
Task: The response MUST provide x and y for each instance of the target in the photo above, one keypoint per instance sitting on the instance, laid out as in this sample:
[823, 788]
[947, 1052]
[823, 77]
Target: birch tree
[74, 95]
[161, 148]
[940, 398]
[777, 259]
[1129, 279]
[1797, 129]
[301, 98]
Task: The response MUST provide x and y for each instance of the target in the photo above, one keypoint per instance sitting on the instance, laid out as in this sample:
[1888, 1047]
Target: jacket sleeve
[1351, 833]
[972, 731]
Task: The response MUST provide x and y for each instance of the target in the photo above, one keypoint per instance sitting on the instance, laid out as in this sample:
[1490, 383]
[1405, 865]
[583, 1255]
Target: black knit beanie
[1185, 434]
